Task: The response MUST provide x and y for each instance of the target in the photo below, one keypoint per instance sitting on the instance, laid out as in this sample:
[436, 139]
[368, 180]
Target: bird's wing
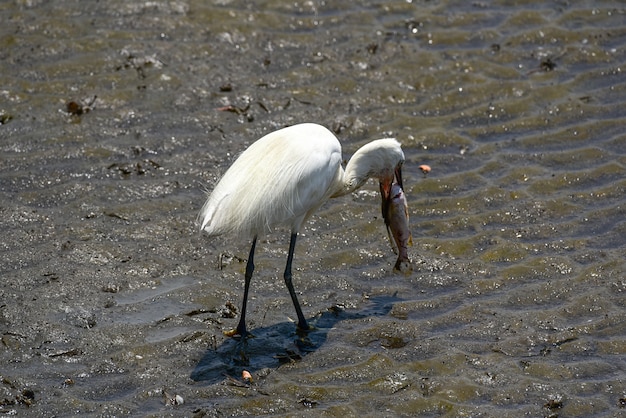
[315, 174]
[281, 179]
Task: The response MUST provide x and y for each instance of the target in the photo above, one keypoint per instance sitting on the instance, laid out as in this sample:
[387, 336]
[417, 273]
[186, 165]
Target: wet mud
[117, 117]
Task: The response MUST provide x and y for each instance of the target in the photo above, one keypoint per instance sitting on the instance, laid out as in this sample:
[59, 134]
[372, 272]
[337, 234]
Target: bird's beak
[385, 191]
[398, 174]
[386, 182]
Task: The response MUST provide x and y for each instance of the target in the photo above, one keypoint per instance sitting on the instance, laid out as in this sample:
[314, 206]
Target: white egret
[285, 176]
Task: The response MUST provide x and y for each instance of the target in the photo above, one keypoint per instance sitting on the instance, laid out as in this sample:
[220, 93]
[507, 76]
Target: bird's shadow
[277, 344]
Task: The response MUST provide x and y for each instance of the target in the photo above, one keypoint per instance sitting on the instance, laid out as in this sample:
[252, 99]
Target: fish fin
[391, 241]
[406, 213]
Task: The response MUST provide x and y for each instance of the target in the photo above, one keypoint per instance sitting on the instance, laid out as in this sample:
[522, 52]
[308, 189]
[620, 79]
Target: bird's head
[386, 160]
[387, 178]
[382, 159]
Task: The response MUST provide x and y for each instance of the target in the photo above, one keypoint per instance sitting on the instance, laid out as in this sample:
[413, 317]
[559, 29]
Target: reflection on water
[109, 295]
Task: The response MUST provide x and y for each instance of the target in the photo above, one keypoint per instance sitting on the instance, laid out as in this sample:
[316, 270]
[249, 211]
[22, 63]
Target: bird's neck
[358, 170]
[375, 159]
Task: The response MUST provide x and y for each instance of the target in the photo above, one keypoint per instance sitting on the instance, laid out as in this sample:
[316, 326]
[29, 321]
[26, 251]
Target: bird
[281, 179]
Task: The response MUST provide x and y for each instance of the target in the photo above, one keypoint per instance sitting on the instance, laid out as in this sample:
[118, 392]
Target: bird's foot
[238, 333]
[302, 330]
[304, 342]
[231, 333]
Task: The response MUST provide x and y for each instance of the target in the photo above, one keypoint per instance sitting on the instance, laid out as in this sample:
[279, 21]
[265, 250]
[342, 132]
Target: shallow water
[109, 296]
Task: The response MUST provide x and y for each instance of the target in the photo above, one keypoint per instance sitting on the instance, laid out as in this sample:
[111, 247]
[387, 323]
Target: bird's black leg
[301, 321]
[241, 327]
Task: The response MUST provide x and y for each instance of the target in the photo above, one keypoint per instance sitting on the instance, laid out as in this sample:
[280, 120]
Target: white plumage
[278, 180]
[285, 176]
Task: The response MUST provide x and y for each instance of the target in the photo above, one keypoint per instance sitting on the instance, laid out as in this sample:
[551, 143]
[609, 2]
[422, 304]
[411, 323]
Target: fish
[396, 215]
